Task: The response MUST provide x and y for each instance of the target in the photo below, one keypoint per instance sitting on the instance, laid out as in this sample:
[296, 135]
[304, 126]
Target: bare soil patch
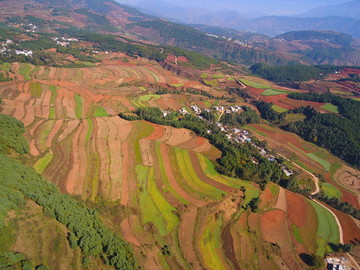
[296, 208]
[281, 201]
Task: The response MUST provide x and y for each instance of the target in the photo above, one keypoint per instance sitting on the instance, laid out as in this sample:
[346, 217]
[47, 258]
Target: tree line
[237, 159]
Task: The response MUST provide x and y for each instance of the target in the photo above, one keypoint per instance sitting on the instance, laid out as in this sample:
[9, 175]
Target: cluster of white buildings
[196, 109]
[4, 49]
[235, 134]
[30, 27]
[62, 41]
[338, 263]
[5, 44]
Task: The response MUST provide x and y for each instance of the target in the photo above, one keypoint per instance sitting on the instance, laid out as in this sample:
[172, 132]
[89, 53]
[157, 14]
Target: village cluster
[338, 263]
[235, 134]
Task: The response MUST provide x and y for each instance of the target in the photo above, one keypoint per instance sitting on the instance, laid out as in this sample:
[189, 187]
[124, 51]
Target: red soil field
[125, 171]
[172, 179]
[274, 229]
[296, 208]
[282, 136]
[351, 232]
[158, 132]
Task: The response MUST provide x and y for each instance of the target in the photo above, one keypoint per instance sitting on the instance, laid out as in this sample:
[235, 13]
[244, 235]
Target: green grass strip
[210, 244]
[52, 114]
[278, 109]
[330, 107]
[297, 235]
[6, 67]
[53, 94]
[331, 191]
[100, 112]
[143, 130]
[255, 84]
[43, 162]
[25, 70]
[35, 89]
[165, 178]
[212, 83]
[148, 209]
[164, 207]
[191, 178]
[89, 131]
[217, 76]
[328, 229]
[273, 92]
[319, 160]
[79, 106]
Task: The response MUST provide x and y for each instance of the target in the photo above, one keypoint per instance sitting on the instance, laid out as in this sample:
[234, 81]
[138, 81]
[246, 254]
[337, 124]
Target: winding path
[317, 190]
[316, 179]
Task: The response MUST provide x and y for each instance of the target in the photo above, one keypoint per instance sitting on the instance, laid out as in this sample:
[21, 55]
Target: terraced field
[180, 213]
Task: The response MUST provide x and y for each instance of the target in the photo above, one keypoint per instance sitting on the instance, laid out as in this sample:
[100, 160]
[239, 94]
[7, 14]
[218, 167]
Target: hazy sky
[270, 7]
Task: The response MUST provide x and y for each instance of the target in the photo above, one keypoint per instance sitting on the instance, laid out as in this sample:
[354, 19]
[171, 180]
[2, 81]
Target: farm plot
[209, 244]
[190, 180]
[328, 230]
[274, 92]
[154, 208]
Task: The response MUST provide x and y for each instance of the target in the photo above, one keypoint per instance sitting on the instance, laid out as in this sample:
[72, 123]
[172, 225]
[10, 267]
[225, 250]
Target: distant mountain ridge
[350, 9]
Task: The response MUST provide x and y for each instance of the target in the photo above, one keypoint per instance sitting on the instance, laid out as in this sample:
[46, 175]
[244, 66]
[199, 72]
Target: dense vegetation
[18, 182]
[295, 73]
[338, 133]
[247, 116]
[103, 23]
[237, 158]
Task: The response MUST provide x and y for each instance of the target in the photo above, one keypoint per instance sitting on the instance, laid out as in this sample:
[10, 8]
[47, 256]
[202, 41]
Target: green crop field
[217, 76]
[278, 109]
[212, 83]
[319, 160]
[204, 75]
[167, 211]
[53, 94]
[294, 117]
[328, 230]
[25, 70]
[89, 131]
[255, 84]
[191, 180]
[164, 177]
[142, 100]
[274, 92]
[43, 162]
[330, 107]
[143, 130]
[210, 170]
[297, 235]
[177, 85]
[100, 112]
[79, 106]
[256, 131]
[52, 114]
[6, 67]
[35, 89]
[148, 209]
[210, 246]
[331, 191]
